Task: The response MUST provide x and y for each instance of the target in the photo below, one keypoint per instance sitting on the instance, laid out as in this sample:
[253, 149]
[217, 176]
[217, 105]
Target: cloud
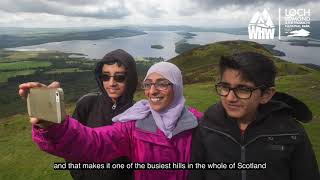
[77, 2]
[204, 13]
[150, 8]
[232, 5]
[216, 4]
[95, 9]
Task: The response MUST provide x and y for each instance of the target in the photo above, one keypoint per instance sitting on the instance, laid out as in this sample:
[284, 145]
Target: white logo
[261, 26]
[296, 21]
[299, 33]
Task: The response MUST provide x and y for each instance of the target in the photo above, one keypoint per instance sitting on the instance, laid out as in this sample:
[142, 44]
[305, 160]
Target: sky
[111, 13]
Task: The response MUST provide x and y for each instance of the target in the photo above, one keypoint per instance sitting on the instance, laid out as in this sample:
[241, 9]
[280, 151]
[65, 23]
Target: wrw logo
[261, 26]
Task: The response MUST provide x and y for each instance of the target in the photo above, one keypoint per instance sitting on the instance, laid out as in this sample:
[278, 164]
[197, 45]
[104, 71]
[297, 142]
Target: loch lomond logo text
[297, 22]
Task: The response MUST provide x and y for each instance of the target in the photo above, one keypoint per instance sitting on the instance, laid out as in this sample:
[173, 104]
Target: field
[23, 65]
[5, 75]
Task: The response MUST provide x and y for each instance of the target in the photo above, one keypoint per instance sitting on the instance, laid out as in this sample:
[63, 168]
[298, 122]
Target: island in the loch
[157, 46]
[187, 35]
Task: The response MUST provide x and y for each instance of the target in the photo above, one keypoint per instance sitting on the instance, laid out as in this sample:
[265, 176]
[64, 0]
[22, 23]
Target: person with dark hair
[260, 135]
[117, 80]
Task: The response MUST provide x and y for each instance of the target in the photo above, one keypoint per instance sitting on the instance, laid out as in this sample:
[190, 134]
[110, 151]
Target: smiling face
[242, 109]
[114, 89]
[158, 99]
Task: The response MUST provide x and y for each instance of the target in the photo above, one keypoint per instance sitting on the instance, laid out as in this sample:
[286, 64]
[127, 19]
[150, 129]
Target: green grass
[200, 95]
[5, 75]
[306, 88]
[17, 55]
[23, 65]
[20, 158]
[65, 70]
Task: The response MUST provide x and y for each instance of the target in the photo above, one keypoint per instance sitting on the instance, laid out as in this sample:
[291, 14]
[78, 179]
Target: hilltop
[201, 64]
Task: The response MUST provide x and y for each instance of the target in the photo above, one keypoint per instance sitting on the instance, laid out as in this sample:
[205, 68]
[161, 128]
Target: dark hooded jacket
[275, 138]
[97, 109]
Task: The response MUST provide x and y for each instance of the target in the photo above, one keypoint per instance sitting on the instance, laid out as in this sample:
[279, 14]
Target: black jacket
[274, 138]
[97, 109]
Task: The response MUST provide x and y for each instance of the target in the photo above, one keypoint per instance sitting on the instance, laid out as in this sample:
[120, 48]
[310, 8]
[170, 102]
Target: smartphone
[46, 104]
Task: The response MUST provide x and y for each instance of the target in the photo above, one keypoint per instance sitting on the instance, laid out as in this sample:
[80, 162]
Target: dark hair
[253, 67]
[114, 62]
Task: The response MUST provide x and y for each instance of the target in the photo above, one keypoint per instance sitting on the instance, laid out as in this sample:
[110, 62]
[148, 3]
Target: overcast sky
[106, 13]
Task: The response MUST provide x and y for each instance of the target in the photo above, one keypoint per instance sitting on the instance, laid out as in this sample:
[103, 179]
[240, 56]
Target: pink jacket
[139, 140]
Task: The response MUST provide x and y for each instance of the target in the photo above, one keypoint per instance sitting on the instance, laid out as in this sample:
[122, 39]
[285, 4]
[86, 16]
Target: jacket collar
[274, 115]
[186, 121]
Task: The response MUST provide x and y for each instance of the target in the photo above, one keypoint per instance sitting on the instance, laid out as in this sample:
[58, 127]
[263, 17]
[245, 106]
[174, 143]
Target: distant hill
[46, 36]
[182, 46]
[313, 66]
[201, 64]
[314, 29]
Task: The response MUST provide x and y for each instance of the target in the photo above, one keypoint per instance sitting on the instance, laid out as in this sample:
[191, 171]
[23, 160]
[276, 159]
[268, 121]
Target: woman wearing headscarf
[157, 129]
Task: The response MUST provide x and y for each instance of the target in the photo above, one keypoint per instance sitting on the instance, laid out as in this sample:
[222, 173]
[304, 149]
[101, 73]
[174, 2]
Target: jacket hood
[300, 110]
[132, 78]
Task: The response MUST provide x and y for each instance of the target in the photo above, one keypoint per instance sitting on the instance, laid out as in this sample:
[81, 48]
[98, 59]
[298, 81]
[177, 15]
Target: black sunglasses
[118, 77]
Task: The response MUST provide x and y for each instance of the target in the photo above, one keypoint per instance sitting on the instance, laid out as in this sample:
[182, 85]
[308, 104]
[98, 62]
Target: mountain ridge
[201, 64]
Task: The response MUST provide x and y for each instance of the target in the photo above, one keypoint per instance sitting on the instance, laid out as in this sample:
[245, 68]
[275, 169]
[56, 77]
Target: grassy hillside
[200, 64]
[21, 159]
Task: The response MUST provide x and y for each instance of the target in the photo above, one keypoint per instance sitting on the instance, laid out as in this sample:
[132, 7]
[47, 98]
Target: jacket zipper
[243, 147]
[243, 157]
[114, 106]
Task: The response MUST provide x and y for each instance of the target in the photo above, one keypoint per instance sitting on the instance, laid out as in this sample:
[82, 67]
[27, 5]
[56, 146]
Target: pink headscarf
[166, 120]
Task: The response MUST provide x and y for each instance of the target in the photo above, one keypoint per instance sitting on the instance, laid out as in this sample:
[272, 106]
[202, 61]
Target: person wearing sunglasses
[157, 129]
[258, 133]
[117, 80]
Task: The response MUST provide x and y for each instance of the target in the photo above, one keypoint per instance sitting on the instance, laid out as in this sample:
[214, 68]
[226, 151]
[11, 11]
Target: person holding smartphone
[157, 129]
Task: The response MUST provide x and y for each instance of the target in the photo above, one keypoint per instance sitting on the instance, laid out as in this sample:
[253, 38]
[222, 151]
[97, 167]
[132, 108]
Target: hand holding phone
[46, 104]
[24, 90]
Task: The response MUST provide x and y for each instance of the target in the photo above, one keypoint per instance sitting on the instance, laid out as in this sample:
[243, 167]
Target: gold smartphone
[46, 104]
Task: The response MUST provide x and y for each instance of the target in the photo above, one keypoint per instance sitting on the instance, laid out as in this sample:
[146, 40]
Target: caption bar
[159, 166]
